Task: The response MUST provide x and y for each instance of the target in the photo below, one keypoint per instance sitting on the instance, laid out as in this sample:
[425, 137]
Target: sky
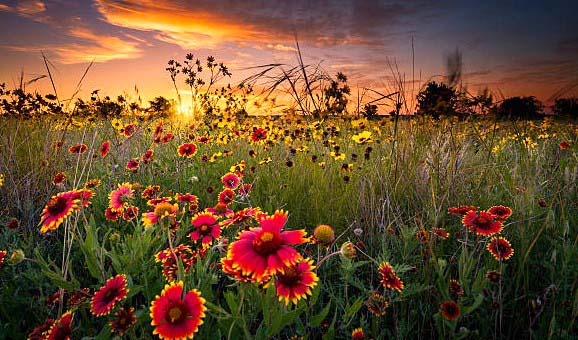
[513, 48]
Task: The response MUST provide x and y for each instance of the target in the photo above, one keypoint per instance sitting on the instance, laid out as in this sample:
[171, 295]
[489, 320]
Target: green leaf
[474, 306]
[317, 319]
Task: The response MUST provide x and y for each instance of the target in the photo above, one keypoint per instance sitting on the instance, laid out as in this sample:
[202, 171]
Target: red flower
[259, 134]
[124, 320]
[500, 248]
[119, 198]
[296, 281]
[61, 328]
[132, 165]
[59, 207]
[39, 332]
[440, 232]
[59, 178]
[242, 217]
[187, 150]
[266, 250]
[565, 145]
[500, 212]
[129, 130]
[186, 198]
[2, 256]
[357, 334]
[168, 259]
[175, 317]
[456, 289]
[220, 210]
[150, 192]
[104, 149]
[450, 310]
[377, 304]
[79, 148]
[147, 156]
[206, 228]
[226, 196]
[230, 181]
[462, 209]
[422, 236]
[130, 213]
[162, 210]
[112, 215]
[484, 223]
[388, 277]
[107, 296]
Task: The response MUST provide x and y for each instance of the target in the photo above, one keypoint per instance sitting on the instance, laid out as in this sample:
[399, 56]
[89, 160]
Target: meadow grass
[378, 199]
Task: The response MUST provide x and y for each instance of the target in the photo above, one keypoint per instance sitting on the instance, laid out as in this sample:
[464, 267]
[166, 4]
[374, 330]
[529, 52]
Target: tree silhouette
[437, 99]
[519, 108]
[566, 107]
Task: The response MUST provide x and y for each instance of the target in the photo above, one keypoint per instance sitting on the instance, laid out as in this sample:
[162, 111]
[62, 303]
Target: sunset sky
[516, 47]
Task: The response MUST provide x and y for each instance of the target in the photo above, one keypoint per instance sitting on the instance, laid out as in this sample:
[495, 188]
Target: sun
[184, 110]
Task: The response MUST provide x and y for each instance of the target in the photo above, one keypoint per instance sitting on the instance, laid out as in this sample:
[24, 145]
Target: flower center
[220, 208]
[56, 205]
[175, 314]
[110, 295]
[290, 278]
[482, 221]
[266, 243]
[204, 228]
[163, 209]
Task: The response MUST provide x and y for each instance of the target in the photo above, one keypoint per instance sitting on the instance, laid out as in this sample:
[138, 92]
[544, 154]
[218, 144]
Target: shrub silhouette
[566, 107]
[519, 108]
[437, 99]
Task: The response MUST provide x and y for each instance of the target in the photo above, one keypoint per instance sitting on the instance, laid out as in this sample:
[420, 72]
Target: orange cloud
[177, 24]
[91, 46]
[25, 8]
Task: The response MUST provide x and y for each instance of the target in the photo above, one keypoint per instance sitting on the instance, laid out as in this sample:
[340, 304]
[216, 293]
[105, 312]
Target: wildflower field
[288, 227]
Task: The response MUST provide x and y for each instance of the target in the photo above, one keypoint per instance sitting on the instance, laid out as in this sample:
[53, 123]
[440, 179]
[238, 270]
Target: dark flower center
[266, 243]
[291, 277]
[110, 295]
[57, 205]
[176, 313]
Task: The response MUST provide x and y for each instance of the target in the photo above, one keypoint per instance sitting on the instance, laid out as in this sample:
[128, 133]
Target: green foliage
[412, 174]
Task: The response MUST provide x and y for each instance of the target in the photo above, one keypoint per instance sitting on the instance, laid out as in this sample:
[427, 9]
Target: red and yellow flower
[59, 207]
[61, 328]
[104, 149]
[161, 211]
[119, 198]
[266, 250]
[207, 228]
[175, 316]
[226, 196]
[78, 149]
[461, 210]
[230, 181]
[483, 223]
[124, 319]
[357, 334]
[295, 282]
[187, 150]
[500, 248]
[501, 212]
[108, 295]
[450, 310]
[388, 277]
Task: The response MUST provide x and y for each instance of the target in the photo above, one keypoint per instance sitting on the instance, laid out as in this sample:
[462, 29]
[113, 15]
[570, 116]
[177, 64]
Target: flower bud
[348, 250]
[324, 234]
[17, 256]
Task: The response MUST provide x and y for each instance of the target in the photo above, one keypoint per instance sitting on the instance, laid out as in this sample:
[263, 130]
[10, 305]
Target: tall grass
[414, 173]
